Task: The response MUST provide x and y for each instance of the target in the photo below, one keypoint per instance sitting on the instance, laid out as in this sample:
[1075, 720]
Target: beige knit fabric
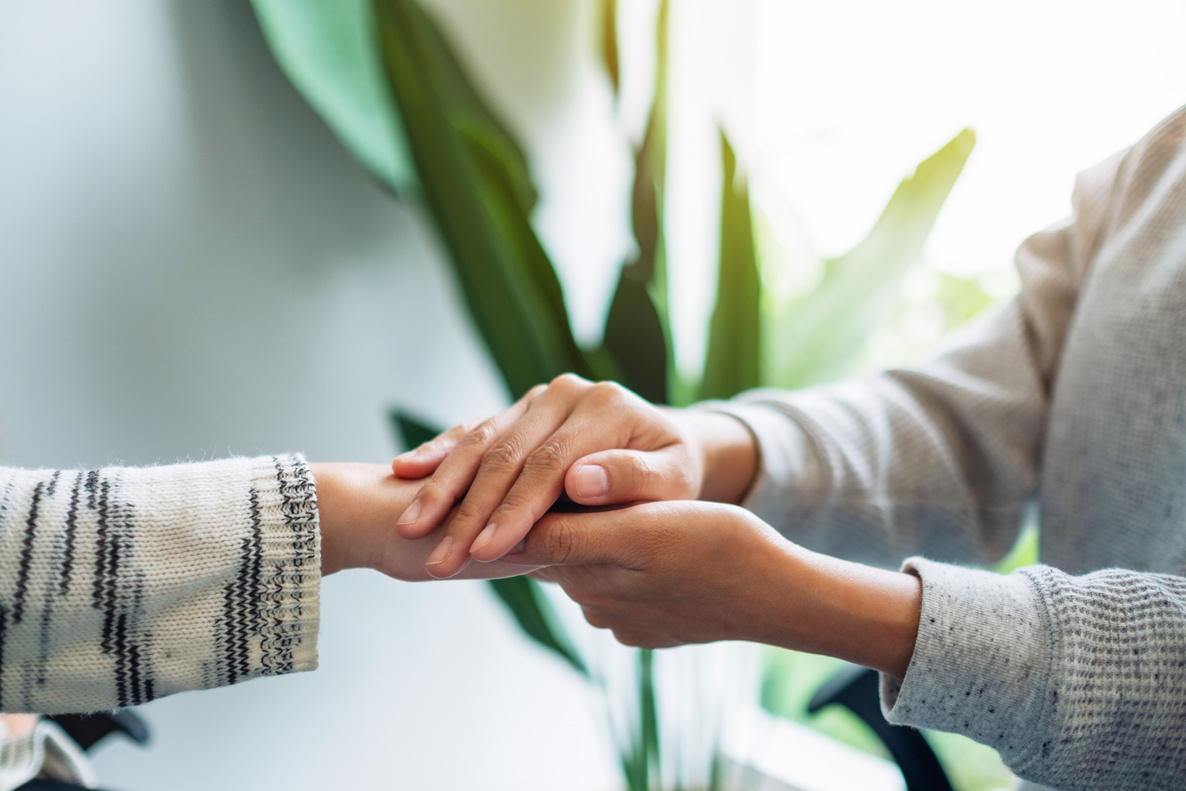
[1073, 399]
[121, 585]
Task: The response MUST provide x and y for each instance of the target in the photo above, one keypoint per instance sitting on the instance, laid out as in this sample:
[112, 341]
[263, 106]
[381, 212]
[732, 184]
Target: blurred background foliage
[387, 80]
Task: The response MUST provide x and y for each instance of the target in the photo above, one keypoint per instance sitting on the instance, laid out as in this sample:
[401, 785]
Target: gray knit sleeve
[941, 458]
[121, 585]
[1078, 682]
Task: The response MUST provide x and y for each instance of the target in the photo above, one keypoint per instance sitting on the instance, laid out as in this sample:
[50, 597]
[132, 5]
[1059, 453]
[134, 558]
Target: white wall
[191, 266]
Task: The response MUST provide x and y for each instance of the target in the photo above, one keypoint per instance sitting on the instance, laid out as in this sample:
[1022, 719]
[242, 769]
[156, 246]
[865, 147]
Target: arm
[1076, 681]
[122, 585]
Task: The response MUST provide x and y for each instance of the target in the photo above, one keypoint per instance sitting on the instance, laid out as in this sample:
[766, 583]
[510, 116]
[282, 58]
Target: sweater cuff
[981, 662]
[289, 613]
[788, 481]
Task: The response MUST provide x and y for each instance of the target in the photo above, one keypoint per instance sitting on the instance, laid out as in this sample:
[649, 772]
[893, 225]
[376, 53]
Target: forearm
[824, 605]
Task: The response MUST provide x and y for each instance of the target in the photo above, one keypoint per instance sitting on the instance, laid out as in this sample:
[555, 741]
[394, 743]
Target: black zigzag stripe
[253, 568]
[242, 599]
[70, 532]
[139, 670]
[3, 635]
[92, 487]
[119, 634]
[98, 501]
[53, 483]
[22, 578]
[47, 614]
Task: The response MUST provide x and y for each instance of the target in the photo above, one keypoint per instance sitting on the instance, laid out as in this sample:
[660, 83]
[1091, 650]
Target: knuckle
[481, 435]
[505, 456]
[560, 543]
[568, 383]
[688, 482]
[642, 473]
[552, 456]
[606, 394]
[435, 491]
[467, 512]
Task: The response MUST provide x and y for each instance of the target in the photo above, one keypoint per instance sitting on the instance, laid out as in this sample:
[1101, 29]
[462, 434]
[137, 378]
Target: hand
[597, 442]
[356, 504]
[666, 574]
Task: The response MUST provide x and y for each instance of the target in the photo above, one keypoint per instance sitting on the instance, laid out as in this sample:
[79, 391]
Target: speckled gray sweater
[1072, 397]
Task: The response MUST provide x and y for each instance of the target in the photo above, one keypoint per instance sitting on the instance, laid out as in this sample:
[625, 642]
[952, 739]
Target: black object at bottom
[88, 729]
[51, 785]
[855, 688]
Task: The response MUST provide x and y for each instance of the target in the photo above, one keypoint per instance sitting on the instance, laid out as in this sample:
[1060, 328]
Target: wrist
[727, 450]
[854, 612]
[357, 505]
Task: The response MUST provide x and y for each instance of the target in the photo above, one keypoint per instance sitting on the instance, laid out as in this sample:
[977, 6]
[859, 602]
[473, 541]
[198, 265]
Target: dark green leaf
[529, 606]
[473, 177]
[733, 359]
[635, 338]
[647, 712]
[410, 431]
[636, 329]
[818, 337]
[609, 43]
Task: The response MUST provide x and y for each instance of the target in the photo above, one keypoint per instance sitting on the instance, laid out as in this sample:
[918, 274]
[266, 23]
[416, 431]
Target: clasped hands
[657, 550]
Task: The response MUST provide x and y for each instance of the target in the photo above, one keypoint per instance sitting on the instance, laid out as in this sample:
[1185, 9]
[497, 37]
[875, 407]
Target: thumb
[570, 539]
[626, 476]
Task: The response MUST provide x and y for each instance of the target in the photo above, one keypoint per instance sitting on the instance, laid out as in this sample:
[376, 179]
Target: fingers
[626, 476]
[522, 474]
[423, 460]
[496, 472]
[606, 416]
[454, 475]
[587, 538]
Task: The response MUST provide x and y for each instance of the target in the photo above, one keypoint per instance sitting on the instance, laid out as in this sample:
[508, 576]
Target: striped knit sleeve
[121, 585]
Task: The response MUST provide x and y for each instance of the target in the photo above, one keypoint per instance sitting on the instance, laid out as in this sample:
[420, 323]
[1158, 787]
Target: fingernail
[518, 548]
[483, 539]
[441, 553]
[409, 516]
[591, 481]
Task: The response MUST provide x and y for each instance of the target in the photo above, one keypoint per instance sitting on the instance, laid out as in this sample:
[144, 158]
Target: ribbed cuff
[981, 664]
[289, 610]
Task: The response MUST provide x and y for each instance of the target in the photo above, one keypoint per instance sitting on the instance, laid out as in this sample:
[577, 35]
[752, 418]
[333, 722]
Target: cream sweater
[118, 586]
[1073, 399]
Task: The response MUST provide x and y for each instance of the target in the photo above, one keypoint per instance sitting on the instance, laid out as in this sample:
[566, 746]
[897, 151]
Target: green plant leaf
[609, 44]
[410, 431]
[817, 337]
[732, 363]
[637, 334]
[330, 53]
[473, 178]
[635, 338]
[529, 605]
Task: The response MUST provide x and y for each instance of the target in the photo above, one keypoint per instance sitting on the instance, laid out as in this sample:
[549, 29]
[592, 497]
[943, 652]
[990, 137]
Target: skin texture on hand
[596, 442]
[667, 574]
[357, 507]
